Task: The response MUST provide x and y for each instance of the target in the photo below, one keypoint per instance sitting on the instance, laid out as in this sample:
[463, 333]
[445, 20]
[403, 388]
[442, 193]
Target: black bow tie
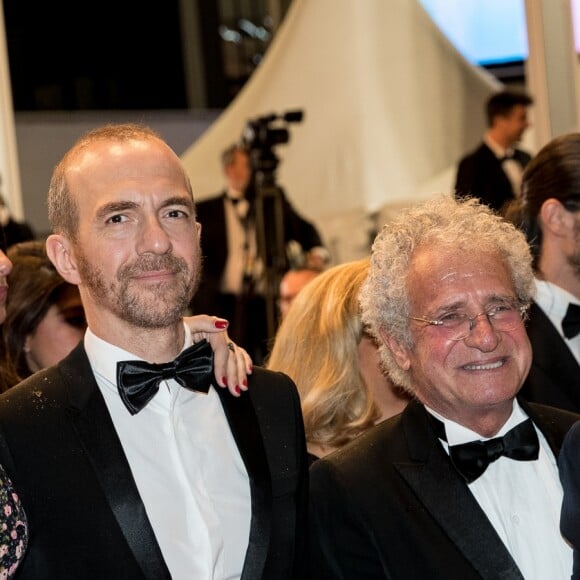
[571, 321]
[138, 381]
[472, 459]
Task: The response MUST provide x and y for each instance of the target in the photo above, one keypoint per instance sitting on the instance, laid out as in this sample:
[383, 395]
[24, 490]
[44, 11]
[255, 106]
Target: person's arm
[232, 364]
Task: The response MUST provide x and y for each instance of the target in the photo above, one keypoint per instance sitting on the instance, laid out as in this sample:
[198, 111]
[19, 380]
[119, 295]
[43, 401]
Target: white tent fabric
[389, 107]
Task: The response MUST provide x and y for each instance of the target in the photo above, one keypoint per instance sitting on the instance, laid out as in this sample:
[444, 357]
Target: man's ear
[60, 252]
[554, 217]
[400, 351]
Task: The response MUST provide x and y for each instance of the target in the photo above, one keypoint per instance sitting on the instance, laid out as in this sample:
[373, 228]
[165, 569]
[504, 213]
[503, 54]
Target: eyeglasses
[457, 326]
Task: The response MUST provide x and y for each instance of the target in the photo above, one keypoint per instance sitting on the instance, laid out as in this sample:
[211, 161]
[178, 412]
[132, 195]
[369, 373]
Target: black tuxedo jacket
[554, 378]
[480, 174]
[86, 518]
[214, 245]
[391, 505]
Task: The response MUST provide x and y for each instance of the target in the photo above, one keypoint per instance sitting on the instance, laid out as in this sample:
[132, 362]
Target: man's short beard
[574, 259]
[158, 306]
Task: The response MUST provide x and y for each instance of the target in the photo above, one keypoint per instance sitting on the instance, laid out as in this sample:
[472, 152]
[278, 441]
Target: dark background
[123, 54]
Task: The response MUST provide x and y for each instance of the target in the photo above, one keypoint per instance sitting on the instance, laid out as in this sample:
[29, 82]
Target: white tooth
[485, 367]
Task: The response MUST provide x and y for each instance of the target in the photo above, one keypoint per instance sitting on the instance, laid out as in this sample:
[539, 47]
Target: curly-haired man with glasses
[464, 482]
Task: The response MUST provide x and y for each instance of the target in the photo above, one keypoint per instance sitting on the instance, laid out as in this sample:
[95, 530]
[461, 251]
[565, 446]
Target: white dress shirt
[554, 301]
[187, 468]
[242, 254]
[522, 500]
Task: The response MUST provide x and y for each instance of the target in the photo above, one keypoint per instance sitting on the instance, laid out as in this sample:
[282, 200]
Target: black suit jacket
[214, 245]
[86, 518]
[480, 174]
[554, 378]
[391, 505]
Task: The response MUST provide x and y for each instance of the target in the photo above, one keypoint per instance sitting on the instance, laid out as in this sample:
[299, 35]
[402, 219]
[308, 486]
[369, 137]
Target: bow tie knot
[138, 381]
[571, 321]
[472, 459]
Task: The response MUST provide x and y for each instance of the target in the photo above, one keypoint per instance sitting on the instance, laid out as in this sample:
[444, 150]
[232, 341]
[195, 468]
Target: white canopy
[389, 107]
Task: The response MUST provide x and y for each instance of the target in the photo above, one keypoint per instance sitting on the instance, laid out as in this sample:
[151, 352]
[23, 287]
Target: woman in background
[322, 346]
[45, 318]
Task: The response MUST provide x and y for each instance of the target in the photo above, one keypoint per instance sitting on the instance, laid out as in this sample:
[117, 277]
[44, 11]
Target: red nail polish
[221, 324]
[225, 381]
[238, 390]
[245, 383]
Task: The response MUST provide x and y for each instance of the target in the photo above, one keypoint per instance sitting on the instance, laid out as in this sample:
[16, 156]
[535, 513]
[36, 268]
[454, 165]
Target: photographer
[235, 281]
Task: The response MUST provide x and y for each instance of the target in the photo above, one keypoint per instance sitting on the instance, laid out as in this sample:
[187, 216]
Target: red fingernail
[225, 381]
[245, 383]
[251, 368]
[221, 324]
[238, 390]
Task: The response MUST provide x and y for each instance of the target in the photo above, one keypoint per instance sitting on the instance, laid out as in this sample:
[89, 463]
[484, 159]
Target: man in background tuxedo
[549, 212]
[493, 171]
[130, 463]
[464, 482]
[232, 283]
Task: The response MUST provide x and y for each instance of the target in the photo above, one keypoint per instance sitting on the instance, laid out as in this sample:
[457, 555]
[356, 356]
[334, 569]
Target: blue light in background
[486, 32]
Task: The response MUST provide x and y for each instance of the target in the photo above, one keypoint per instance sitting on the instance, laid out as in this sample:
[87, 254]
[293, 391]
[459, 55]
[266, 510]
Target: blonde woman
[322, 346]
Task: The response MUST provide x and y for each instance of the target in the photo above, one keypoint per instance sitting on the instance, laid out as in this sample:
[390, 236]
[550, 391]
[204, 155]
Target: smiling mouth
[484, 366]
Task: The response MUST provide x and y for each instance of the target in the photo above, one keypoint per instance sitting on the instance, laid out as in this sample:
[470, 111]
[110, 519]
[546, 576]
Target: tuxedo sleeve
[569, 465]
[465, 178]
[299, 229]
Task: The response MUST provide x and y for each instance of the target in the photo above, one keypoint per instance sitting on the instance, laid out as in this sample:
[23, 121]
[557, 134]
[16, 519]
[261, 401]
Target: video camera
[265, 132]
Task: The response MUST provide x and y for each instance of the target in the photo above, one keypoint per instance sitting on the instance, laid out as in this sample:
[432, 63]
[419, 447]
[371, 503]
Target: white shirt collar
[553, 299]
[457, 434]
[104, 356]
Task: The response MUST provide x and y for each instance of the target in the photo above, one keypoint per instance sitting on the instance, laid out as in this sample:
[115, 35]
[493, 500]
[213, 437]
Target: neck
[157, 345]
[553, 267]
[319, 450]
[499, 138]
[486, 423]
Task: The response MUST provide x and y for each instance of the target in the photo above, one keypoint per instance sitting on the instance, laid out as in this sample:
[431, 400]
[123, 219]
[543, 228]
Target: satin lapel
[553, 423]
[243, 422]
[95, 429]
[447, 498]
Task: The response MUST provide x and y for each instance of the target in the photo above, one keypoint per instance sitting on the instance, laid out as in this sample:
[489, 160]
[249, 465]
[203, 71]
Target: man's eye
[177, 213]
[116, 219]
[501, 308]
[452, 318]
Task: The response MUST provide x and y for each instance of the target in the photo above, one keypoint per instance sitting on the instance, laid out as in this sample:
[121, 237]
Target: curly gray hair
[465, 225]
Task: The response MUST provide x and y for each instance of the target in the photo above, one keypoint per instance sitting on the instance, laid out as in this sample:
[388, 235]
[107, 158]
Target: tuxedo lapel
[93, 424]
[436, 483]
[244, 425]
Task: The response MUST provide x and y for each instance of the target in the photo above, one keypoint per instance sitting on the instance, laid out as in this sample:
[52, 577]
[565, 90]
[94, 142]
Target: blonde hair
[317, 345]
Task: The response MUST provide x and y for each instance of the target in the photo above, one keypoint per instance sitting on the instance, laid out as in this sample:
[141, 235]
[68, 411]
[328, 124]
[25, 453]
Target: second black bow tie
[473, 458]
[571, 321]
[138, 381]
